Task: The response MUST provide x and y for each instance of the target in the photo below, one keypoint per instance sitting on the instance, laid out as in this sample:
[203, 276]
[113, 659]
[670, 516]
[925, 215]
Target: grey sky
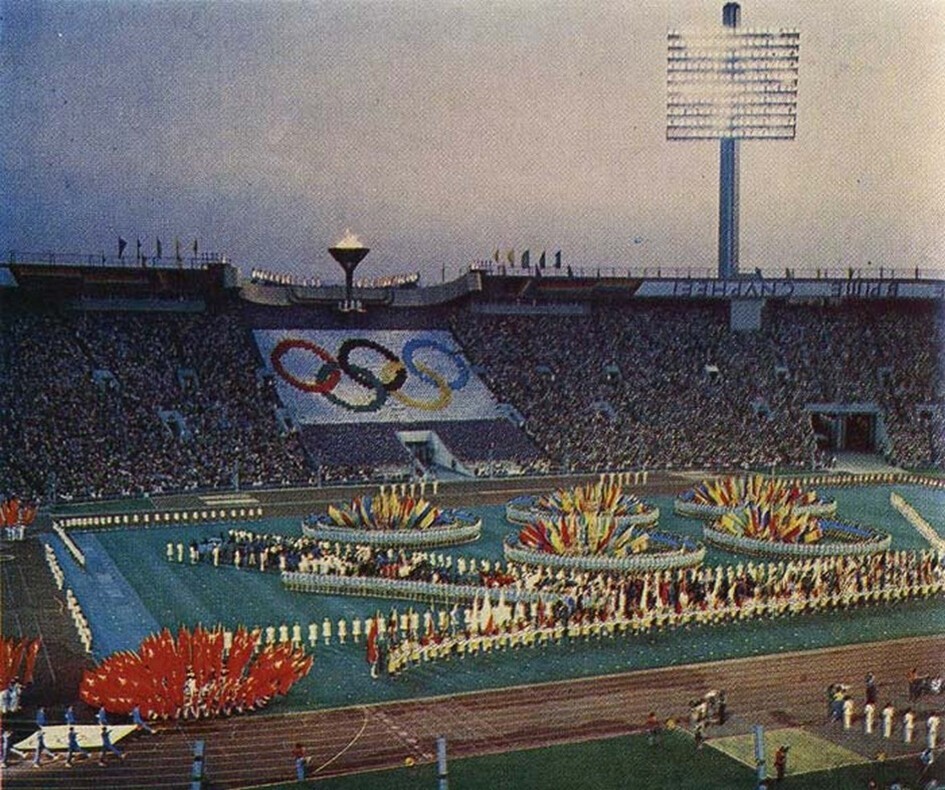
[438, 131]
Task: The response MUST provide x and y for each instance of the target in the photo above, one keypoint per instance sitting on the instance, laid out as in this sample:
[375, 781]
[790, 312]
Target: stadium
[538, 523]
[154, 409]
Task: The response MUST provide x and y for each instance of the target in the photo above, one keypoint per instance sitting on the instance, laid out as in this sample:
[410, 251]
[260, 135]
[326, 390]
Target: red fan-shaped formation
[15, 653]
[14, 511]
[193, 676]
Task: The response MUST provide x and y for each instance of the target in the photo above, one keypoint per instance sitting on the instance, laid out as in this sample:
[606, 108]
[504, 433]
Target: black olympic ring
[369, 380]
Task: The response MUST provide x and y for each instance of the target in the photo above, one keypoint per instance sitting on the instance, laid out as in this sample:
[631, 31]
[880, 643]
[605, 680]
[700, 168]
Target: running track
[777, 690]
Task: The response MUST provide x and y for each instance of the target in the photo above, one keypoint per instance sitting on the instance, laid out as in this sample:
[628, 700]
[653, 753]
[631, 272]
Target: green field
[614, 764]
[130, 566]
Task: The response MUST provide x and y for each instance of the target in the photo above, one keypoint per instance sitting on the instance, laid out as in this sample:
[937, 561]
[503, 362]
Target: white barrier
[920, 524]
[74, 550]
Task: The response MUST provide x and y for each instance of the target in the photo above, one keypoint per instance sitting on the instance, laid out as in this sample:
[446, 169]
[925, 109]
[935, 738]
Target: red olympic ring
[321, 385]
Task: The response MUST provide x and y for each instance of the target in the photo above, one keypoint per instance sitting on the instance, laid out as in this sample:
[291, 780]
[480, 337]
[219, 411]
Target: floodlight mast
[731, 85]
[728, 179]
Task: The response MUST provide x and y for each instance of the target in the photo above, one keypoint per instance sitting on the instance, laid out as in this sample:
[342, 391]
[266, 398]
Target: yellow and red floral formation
[193, 676]
[751, 489]
[386, 511]
[15, 511]
[599, 498]
[582, 536]
[779, 524]
[18, 655]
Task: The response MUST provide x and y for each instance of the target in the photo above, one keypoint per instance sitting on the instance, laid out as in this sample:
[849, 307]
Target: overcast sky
[439, 130]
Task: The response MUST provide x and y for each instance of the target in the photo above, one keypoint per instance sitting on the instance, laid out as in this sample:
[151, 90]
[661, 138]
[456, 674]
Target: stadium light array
[730, 85]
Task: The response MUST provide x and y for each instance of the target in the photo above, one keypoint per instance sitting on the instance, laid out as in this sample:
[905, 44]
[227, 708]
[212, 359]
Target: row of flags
[17, 659]
[525, 259]
[158, 252]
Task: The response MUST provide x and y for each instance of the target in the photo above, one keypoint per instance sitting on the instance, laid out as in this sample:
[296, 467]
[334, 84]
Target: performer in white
[931, 728]
[869, 714]
[888, 713]
[848, 712]
[908, 724]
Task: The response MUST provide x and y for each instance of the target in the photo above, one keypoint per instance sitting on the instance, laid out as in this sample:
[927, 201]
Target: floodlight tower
[731, 85]
[348, 253]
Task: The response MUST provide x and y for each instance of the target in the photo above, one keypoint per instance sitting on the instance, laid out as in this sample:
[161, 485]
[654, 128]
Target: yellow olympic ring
[441, 402]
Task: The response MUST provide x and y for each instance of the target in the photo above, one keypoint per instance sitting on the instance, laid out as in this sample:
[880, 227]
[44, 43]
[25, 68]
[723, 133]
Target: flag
[158, 245]
[526, 262]
[541, 260]
[486, 622]
[558, 259]
[31, 653]
[195, 248]
[121, 246]
[372, 654]
[495, 255]
[177, 249]
[510, 257]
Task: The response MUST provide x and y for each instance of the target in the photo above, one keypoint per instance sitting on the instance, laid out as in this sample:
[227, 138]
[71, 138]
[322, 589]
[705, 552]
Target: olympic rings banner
[339, 376]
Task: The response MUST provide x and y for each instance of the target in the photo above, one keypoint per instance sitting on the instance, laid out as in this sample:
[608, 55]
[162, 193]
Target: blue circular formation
[415, 344]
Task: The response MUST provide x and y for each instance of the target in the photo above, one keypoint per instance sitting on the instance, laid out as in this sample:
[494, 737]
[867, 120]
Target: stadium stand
[88, 435]
[684, 391]
[103, 402]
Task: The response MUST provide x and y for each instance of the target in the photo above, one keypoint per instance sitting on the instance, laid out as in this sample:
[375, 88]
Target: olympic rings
[322, 384]
[443, 400]
[415, 343]
[370, 380]
[389, 379]
[366, 379]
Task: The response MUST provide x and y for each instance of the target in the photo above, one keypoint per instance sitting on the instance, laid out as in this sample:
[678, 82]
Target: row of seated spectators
[357, 451]
[97, 436]
[647, 362]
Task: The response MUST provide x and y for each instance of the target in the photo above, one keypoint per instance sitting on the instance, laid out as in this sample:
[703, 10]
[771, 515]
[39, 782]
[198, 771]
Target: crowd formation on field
[585, 603]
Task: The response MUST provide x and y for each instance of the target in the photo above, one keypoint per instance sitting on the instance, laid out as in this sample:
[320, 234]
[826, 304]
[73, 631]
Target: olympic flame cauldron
[348, 253]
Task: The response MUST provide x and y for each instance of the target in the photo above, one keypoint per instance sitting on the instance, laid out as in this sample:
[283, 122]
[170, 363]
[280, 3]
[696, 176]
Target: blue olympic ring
[416, 343]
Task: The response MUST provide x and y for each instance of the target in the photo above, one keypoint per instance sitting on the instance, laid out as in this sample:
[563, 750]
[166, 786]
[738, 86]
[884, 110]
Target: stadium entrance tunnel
[429, 452]
[857, 427]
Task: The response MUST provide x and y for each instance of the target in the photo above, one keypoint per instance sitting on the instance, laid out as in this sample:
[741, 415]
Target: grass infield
[632, 762]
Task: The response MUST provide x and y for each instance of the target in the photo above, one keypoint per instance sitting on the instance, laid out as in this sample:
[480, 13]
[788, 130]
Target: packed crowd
[621, 388]
[119, 403]
[82, 414]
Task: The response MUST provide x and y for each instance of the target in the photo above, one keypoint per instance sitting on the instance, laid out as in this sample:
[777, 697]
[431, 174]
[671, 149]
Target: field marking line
[350, 743]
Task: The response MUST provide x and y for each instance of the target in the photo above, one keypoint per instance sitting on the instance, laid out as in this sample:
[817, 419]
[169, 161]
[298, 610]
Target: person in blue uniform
[140, 723]
[108, 746]
[41, 749]
[74, 747]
